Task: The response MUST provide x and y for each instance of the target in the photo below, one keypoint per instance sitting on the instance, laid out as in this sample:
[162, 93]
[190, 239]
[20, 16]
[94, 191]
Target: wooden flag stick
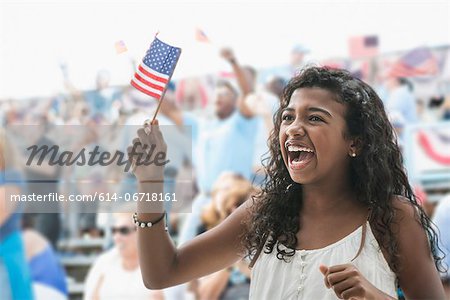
[165, 89]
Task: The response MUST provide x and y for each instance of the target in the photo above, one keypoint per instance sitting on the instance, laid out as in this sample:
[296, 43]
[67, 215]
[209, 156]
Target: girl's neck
[319, 200]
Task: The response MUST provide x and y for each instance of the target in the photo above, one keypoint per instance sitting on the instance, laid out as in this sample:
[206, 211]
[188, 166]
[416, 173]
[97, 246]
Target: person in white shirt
[116, 273]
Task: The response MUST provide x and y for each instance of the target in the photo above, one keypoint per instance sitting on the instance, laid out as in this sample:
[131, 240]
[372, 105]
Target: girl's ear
[355, 146]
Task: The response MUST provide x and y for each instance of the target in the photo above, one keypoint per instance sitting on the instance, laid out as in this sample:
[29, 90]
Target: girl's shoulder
[403, 214]
[405, 210]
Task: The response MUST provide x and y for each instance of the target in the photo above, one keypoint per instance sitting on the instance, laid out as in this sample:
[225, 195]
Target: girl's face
[312, 136]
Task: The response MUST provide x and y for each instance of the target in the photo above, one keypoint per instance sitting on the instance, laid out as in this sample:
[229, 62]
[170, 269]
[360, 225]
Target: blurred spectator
[101, 99]
[116, 273]
[398, 122]
[47, 275]
[297, 61]
[229, 192]
[442, 220]
[90, 179]
[261, 104]
[400, 98]
[225, 143]
[275, 85]
[192, 95]
[446, 109]
[435, 109]
[42, 179]
[287, 71]
[15, 280]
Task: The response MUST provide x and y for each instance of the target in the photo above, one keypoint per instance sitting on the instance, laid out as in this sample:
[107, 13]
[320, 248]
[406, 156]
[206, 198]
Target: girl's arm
[418, 276]
[162, 264]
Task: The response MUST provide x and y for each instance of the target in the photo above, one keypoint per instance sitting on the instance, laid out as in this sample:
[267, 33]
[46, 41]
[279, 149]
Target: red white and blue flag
[201, 36]
[417, 62]
[363, 46]
[156, 69]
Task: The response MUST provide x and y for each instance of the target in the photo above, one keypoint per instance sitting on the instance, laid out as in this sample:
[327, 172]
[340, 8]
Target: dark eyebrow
[317, 109]
[287, 109]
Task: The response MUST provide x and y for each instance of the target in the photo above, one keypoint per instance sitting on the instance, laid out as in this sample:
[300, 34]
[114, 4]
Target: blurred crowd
[227, 118]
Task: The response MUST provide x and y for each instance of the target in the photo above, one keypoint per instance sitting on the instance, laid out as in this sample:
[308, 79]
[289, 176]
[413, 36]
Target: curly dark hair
[377, 173]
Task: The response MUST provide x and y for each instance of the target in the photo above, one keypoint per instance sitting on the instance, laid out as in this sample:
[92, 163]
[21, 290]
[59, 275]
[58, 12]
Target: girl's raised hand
[148, 153]
[348, 283]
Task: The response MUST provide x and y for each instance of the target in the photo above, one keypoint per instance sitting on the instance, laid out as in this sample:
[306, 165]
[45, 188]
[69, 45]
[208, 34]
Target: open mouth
[299, 156]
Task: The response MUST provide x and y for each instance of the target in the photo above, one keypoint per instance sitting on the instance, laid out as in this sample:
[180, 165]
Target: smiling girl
[336, 217]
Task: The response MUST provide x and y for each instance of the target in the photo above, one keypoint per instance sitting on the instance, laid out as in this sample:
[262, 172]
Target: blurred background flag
[201, 36]
[417, 62]
[156, 69]
[363, 46]
[120, 47]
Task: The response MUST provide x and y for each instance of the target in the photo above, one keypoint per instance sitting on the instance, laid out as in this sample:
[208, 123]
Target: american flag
[201, 36]
[155, 70]
[363, 46]
[120, 47]
[417, 62]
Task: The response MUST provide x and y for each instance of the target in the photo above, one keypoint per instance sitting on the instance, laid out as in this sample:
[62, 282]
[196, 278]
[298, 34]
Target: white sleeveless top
[300, 277]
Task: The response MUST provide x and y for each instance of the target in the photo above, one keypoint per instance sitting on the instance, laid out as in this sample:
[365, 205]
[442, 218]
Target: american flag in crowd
[120, 47]
[201, 36]
[417, 62]
[156, 69]
[363, 46]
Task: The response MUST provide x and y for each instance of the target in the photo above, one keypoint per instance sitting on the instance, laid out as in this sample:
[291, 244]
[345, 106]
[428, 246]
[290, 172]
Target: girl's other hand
[348, 283]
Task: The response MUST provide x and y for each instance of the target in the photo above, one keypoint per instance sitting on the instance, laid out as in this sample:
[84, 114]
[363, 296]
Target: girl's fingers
[324, 270]
[156, 129]
[351, 294]
[337, 277]
[147, 128]
[143, 136]
[136, 142]
[342, 286]
[338, 268]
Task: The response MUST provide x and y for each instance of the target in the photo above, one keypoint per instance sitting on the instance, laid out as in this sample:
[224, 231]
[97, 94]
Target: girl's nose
[296, 129]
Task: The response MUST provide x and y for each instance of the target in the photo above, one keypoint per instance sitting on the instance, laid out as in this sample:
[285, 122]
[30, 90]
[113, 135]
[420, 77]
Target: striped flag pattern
[417, 62]
[363, 46]
[156, 69]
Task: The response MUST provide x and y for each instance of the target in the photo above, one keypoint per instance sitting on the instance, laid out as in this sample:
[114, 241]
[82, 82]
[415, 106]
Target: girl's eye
[287, 118]
[315, 119]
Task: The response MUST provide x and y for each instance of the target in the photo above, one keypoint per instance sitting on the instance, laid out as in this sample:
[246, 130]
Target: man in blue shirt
[223, 144]
[400, 99]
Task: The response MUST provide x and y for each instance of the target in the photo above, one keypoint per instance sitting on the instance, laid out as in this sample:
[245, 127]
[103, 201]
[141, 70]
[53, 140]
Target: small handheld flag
[156, 69]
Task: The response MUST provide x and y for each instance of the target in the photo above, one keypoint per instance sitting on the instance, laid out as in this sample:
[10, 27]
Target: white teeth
[297, 148]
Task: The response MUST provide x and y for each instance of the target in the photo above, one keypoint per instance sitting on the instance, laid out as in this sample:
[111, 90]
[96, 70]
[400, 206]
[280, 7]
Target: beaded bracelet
[143, 224]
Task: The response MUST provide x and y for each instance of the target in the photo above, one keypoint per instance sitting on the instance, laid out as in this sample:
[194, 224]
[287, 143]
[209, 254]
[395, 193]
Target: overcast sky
[37, 36]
